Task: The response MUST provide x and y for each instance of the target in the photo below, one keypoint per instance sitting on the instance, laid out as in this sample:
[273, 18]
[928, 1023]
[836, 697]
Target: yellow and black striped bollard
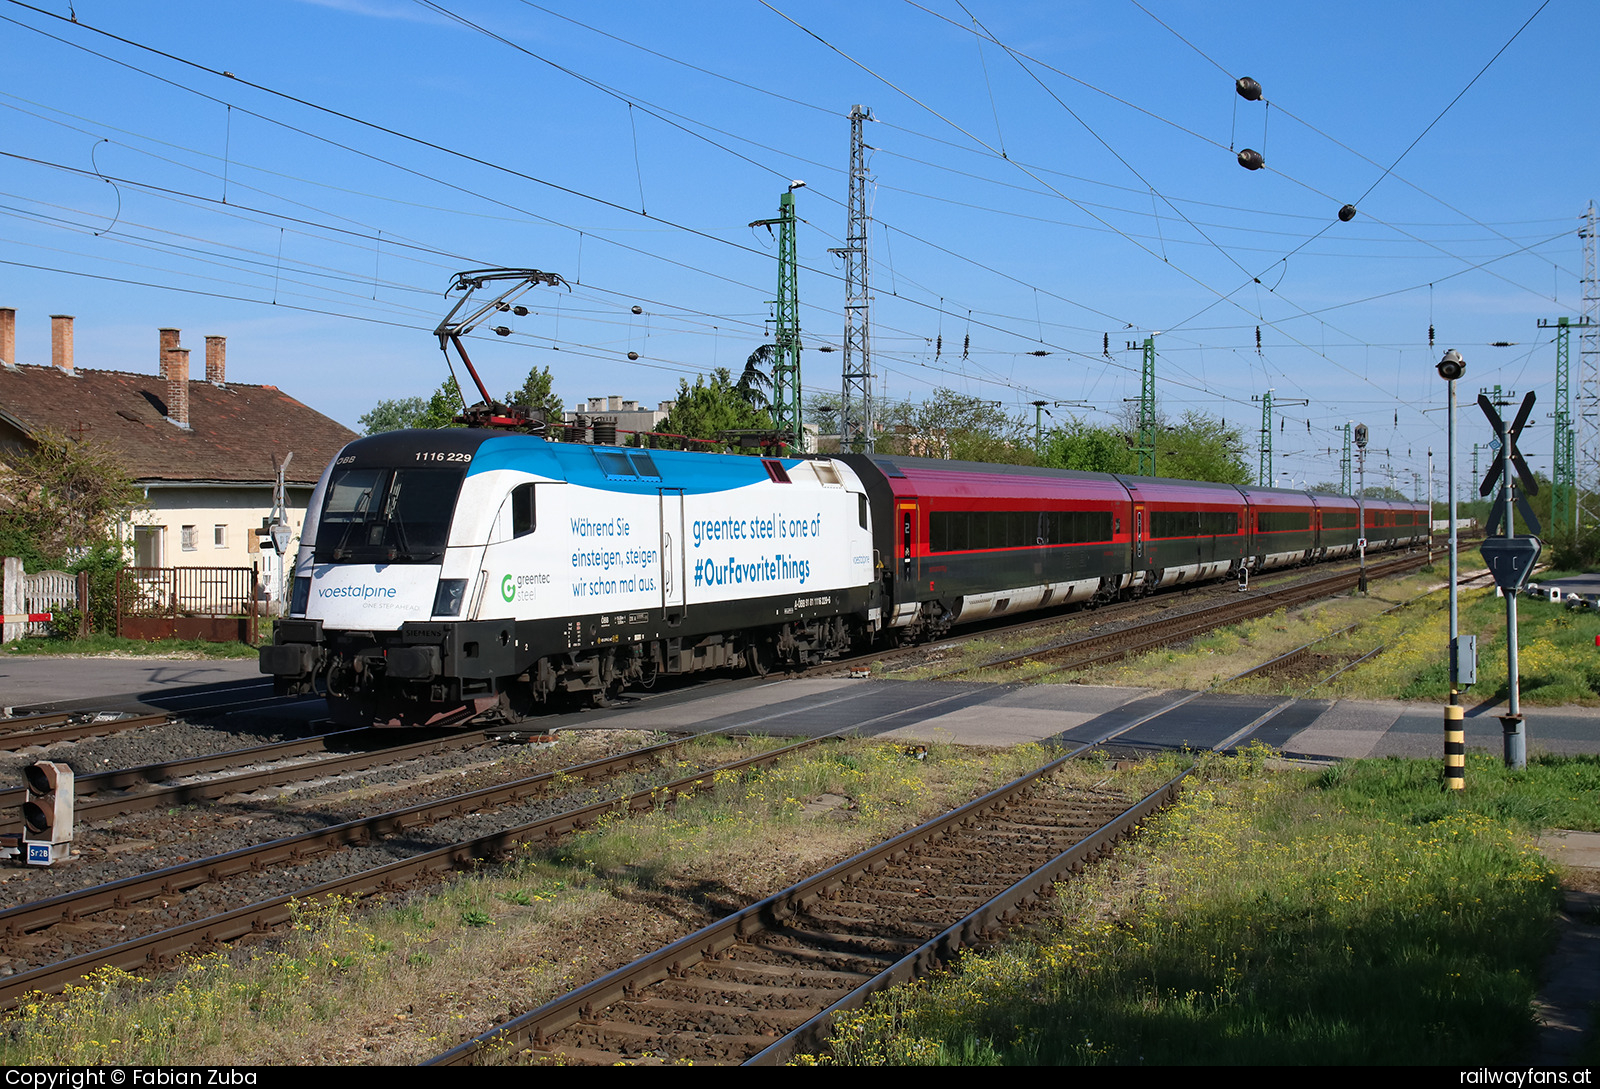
[1455, 747]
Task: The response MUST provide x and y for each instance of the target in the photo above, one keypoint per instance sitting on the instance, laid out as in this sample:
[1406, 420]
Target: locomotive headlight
[448, 600]
[300, 596]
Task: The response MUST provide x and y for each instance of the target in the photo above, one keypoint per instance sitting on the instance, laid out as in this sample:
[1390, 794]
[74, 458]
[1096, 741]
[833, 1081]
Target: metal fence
[212, 603]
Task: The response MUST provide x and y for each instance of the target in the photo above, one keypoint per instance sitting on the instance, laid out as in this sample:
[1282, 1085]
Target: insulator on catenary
[1430, 336]
[638, 310]
[1105, 345]
[633, 355]
[1248, 89]
[501, 331]
[1251, 160]
[1347, 213]
[520, 311]
[1258, 340]
[938, 345]
[966, 345]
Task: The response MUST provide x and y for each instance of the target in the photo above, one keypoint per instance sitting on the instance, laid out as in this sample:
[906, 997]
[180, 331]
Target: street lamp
[1452, 367]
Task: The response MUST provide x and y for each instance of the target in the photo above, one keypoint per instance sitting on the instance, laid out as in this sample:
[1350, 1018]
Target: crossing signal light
[47, 803]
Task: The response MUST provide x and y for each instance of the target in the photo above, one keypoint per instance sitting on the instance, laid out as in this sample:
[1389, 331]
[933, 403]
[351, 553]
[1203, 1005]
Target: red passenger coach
[969, 541]
[959, 541]
[1283, 527]
[1185, 530]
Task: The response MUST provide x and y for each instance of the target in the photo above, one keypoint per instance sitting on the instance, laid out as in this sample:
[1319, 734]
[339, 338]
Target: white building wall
[232, 512]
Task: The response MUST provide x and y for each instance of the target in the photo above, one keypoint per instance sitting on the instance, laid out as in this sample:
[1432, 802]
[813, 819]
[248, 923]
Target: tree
[822, 412]
[536, 395]
[1086, 449]
[1200, 447]
[712, 404]
[64, 498]
[955, 426]
[443, 407]
[754, 383]
[61, 503]
[438, 410]
[393, 415]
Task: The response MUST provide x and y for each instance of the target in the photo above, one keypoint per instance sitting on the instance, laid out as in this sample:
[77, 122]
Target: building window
[191, 538]
[147, 545]
[219, 536]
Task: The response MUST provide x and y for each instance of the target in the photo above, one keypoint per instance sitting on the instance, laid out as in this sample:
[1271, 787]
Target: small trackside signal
[47, 807]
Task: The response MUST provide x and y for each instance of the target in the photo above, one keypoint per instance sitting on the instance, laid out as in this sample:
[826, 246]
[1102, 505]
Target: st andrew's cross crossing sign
[1530, 486]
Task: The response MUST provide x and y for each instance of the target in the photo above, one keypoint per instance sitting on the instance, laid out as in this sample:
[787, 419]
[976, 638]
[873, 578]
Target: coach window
[523, 520]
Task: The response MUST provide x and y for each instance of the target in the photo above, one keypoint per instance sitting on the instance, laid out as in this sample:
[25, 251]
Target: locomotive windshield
[383, 515]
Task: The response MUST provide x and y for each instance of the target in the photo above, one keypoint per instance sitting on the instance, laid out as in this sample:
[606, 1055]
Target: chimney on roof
[216, 360]
[8, 338]
[61, 342]
[177, 371]
[614, 403]
[169, 341]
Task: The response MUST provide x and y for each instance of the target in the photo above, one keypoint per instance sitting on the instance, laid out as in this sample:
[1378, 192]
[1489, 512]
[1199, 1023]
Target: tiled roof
[233, 430]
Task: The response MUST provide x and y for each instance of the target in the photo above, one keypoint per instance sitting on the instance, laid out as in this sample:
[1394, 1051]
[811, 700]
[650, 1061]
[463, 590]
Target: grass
[1558, 662]
[1353, 916]
[401, 983]
[111, 646]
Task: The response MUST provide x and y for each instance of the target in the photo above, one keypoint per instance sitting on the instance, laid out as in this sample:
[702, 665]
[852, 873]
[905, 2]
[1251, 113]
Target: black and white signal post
[1510, 558]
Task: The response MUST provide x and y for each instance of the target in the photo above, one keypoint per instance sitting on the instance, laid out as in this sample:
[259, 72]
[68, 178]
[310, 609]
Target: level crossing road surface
[908, 711]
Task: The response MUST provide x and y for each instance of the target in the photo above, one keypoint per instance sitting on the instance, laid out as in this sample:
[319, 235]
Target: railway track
[50, 727]
[1085, 651]
[80, 909]
[763, 983]
[182, 782]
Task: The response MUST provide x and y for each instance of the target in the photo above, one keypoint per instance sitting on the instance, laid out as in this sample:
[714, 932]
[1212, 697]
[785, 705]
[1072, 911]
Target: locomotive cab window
[523, 519]
[386, 515]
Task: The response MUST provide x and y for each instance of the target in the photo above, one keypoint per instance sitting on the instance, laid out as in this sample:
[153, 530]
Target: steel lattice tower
[1147, 410]
[1587, 454]
[857, 423]
[1266, 434]
[786, 414]
[1265, 473]
[1563, 469]
[1345, 483]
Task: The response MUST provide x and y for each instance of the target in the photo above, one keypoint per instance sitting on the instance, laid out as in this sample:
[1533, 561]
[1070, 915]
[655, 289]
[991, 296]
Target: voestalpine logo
[508, 588]
[363, 592]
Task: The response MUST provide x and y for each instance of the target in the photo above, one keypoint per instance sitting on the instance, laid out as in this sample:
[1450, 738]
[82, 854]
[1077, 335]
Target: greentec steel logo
[508, 588]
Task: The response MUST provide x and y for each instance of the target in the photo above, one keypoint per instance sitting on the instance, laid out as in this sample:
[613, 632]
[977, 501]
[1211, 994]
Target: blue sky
[1048, 177]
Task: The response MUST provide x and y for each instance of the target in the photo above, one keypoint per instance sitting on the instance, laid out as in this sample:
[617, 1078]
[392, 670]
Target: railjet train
[471, 575]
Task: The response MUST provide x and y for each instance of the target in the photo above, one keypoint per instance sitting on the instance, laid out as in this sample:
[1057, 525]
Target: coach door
[674, 576]
[906, 543]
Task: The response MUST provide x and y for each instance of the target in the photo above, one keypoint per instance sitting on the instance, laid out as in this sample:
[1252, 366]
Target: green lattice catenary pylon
[786, 415]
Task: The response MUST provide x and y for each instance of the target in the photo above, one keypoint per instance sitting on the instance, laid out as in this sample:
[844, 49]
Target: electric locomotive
[457, 573]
